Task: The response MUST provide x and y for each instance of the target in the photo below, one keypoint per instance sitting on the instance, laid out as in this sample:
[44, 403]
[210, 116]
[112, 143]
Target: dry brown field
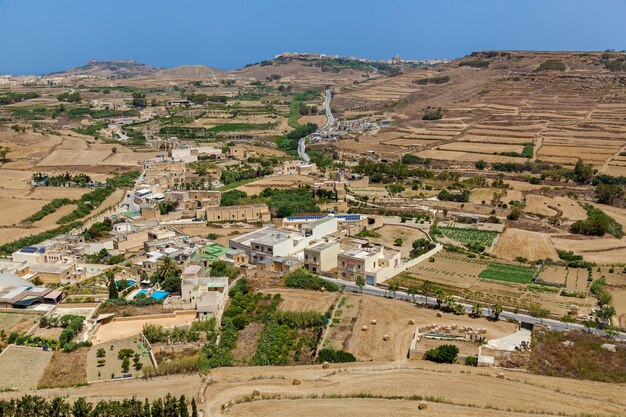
[474, 393]
[17, 322]
[619, 302]
[555, 274]
[302, 300]
[120, 329]
[389, 233]
[481, 148]
[21, 367]
[448, 390]
[65, 370]
[278, 181]
[605, 250]
[530, 245]
[392, 318]
[550, 206]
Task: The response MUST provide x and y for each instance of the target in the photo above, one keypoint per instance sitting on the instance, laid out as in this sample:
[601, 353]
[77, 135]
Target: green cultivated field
[469, 236]
[508, 273]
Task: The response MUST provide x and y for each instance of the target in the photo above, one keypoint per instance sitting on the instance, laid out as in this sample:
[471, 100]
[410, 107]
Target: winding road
[330, 121]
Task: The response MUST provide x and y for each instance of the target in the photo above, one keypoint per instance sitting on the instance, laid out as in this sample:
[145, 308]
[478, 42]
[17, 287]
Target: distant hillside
[189, 71]
[119, 69]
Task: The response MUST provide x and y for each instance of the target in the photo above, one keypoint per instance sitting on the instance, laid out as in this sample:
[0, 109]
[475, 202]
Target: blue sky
[40, 36]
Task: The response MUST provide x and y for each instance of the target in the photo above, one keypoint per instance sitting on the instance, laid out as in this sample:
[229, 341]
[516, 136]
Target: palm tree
[167, 267]
[477, 310]
[412, 291]
[496, 310]
[440, 295]
[393, 287]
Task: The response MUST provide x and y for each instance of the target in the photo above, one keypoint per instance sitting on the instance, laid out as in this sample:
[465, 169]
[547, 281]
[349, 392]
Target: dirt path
[606, 164]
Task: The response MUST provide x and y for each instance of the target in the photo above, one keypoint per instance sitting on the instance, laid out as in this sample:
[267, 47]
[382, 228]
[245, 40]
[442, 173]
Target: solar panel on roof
[28, 249]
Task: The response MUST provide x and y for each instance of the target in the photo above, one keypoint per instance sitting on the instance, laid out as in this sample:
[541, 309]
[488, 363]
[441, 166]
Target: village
[274, 232]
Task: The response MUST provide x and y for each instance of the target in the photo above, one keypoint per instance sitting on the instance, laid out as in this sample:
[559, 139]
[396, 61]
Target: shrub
[302, 278]
[334, 356]
[442, 354]
[551, 65]
[471, 360]
[435, 114]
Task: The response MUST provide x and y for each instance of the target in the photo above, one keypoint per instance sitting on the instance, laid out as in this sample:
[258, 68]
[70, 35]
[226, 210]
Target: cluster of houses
[323, 244]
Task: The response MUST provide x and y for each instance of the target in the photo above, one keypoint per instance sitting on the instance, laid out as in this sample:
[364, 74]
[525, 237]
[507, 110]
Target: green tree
[477, 310]
[125, 364]
[4, 151]
[393, 287]
[81, 408]
[608, 193]
[113, 293]
[58, 407]
[183, 411]
[412, 291]
[194, 408]
[480, 164]
[442, 354]
[496, 310]
[606, 313]
[583, 173]
[440, 296]
[167, 267]
[360, 282]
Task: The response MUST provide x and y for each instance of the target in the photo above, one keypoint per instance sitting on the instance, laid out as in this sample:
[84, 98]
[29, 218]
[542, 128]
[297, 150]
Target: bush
[551, 65]
[334, 356]
[302, 278]
[442, 354]
[435, 114]
[471, 360]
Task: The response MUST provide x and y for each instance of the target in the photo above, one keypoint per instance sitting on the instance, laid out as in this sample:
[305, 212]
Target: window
[343, 274]
[315, 259]
[306, 257]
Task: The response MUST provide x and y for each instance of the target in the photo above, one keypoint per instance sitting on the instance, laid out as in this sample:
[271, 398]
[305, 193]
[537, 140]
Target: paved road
[420, 299]
[302, 150]
[330, 121]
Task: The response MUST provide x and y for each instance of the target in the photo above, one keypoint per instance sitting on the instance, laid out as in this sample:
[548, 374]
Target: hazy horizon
[229, 35]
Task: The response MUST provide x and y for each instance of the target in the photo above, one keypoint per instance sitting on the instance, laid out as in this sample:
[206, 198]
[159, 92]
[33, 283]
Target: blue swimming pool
[159, 295]
[141, 292]
[130, 282]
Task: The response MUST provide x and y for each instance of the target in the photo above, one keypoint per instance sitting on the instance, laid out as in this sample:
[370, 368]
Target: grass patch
[508, 273]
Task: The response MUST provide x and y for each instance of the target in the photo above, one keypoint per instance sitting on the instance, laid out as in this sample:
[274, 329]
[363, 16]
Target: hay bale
[386, 337]
[325, 365]
[256, 393]
[364, 328]
[500, 375]
[373, 321]
[423, 405]
[323, 289]
[296, 382]
[411, 322]
[438, 314]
